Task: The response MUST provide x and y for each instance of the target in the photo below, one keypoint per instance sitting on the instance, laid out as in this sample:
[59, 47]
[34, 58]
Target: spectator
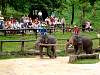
[88, 24]
[68, 29]
[91, 28]
[1, 22]
[83, 26]
[63, 22]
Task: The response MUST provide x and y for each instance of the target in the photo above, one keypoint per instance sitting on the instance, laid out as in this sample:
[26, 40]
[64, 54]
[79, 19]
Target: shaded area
[35, 9]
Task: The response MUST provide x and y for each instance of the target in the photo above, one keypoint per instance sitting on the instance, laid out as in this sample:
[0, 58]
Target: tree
[72, 3]
[24, 5]
[3, 4]
[19, 5]
[92, 3]
[84, 4]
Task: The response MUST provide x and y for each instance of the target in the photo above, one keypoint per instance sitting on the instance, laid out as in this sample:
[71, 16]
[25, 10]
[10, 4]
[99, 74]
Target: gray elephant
[46, 39]
[81, 43]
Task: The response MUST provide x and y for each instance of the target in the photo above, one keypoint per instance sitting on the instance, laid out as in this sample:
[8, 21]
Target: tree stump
[73, 58]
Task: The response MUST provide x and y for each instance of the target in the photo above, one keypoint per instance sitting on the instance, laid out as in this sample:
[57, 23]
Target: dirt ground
[37, 66]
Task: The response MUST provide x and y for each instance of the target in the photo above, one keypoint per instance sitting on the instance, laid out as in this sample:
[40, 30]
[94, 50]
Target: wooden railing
[22, 31]
[22, 43]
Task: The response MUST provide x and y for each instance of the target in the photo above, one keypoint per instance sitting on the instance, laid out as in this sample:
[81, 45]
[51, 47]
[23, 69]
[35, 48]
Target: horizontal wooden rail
[94, 38]
[24, 29]
[16, 40]
[22, 43]
[50, 44]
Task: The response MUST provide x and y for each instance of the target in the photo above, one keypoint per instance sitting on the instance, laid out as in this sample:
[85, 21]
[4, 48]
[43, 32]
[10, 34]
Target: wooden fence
[34, 30]
[23, 41]
[22, 31]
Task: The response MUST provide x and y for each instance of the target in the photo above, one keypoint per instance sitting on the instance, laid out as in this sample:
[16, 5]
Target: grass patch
[86, 61]
[15, 56]
[61, 53]
[6, 57]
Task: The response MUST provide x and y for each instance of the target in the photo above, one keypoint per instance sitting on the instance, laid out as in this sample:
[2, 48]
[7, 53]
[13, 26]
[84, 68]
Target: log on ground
[73, 58]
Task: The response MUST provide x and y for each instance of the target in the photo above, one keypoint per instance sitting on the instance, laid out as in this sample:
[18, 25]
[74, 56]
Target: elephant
[48, 39]
[81, 43]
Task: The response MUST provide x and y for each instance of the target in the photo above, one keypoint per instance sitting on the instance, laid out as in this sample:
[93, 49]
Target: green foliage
[11, 12]
[19, 5]
[91, 13]
[61, 53]
[92, 2]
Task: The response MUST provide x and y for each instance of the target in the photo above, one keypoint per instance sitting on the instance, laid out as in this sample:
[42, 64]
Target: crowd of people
[27, 22]
[87, 26]
[51, 22]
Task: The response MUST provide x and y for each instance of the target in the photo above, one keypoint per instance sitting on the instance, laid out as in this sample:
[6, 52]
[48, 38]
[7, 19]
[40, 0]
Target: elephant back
[77, 40]
[87, 42]
[51, 39]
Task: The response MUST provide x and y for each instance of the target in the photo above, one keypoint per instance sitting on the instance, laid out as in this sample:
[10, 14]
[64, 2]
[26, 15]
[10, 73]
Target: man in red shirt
[76, 30]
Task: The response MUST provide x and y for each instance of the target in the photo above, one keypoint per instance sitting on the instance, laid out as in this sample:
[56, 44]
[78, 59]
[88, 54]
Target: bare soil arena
[46, 66]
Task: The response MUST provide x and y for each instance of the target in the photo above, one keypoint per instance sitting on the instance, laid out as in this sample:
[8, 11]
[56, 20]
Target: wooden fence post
[4, 32]
[22, 46]
[36, 33]
[50, 31]
[1, 46]
[99, 42]
[22, 32]
[63, 30]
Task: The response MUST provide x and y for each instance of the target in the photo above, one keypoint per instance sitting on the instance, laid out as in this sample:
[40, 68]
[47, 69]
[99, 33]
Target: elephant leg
[80, 48]
[89, 51]
[66, 48]
[41, 52]
[53, 49]
[76, 49]
[48, 52]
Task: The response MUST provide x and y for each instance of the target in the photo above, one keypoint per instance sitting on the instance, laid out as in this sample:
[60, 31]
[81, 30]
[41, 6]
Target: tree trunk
[72, 20]
[94, 11]
[84, 10]
[3, 6]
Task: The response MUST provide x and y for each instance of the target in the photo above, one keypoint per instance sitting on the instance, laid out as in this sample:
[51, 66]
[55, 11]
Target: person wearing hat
[1, 22]
[42, 30]
[76, 30]
[76, 34]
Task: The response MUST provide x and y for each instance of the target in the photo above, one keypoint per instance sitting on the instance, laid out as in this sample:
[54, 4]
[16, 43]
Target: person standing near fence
[63, 22]
[1, 22]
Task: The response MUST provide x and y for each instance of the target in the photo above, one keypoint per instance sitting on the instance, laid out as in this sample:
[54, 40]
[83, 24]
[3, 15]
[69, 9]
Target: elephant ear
[77, 40]
[74, 41]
